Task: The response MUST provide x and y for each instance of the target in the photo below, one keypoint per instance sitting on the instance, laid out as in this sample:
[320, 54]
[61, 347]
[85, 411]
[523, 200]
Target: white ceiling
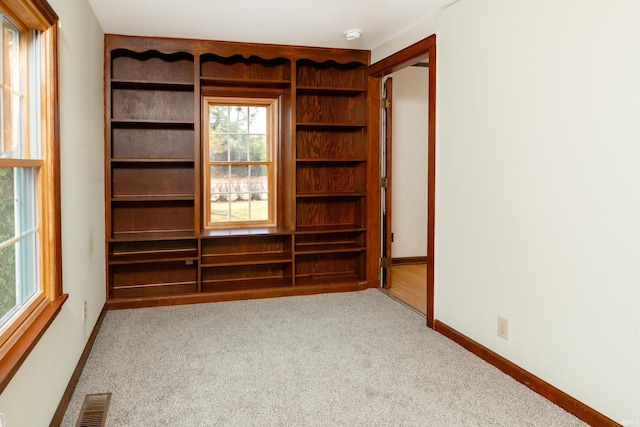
[296, 22]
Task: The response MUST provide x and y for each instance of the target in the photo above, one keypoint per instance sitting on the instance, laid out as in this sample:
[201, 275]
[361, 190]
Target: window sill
[14, 358]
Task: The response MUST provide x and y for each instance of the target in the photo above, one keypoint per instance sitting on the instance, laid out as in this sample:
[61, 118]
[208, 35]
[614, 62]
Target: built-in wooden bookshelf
[157, 251]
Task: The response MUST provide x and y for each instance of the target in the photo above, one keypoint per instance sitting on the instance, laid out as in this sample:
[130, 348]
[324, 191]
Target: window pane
[11, 114]
[18, 239]
[239, 149]
[218, 147]
[26, 267]
[10, 55]
[219, 118]
[8, 297]
[258, 120]
[258, 148]
[238, 119]
[219, 183]
[7, 205]
[240, 209]
[259, 178]
[259, 208]
[25, 193]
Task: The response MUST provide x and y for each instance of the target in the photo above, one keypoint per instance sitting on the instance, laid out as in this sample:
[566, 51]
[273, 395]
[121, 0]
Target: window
[241, 141]
[30, 280]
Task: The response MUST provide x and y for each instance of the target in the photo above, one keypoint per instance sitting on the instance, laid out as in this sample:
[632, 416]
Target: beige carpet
[350, 359]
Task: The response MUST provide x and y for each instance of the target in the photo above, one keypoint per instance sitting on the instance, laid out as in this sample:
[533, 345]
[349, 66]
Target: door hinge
[384, 182]
[384, 262]
[386, 103]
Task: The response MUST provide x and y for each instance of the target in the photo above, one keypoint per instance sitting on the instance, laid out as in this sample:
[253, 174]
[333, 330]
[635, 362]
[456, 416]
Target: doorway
[418, 53]
[405, 112]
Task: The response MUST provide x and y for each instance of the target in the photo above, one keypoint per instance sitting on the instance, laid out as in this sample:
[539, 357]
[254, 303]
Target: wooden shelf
[244, 284]
[235, 82]
[153, 285]
[152, 290]
[328, 228]
[153, 198]
[125, 236]
[152, 235]
[151, 85]
[330, 194]
[322, 248]
[165, 160]
[323, 279]
[326, 90]
[330, 160]
[245, 259]
[142, 123]
[156, 251]
[332, 125]
[138, 259]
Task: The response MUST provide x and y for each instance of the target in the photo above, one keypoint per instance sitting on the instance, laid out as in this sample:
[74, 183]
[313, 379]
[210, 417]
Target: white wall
[409, 162]
[537, 200]
[32, 396]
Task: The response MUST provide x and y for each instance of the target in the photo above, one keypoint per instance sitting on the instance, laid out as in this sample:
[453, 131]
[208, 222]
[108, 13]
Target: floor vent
[94, 410]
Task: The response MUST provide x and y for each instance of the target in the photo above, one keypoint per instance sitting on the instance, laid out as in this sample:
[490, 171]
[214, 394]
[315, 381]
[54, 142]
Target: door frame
[387, 212]
[375, 73]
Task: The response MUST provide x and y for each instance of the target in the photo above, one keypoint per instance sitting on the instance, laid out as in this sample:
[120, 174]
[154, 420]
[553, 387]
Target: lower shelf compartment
[234, 295]
[154, 290]
[244, 284]
[152, 279]
[329, 279]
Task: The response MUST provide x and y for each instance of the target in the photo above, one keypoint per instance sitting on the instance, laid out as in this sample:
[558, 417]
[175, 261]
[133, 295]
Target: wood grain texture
[331, 109]
[238, 67]
[330, 264]
[151, 273]
[152, 180]
[330, 75]
[543, 388]
[152, 67]
[416, 52]
[246, 245]
[327, 211]
[410, 285]
[128, 143]
[152, 216]
[154, 118]
[336, 177]
[154, 105]
[409, 260]
[431, 182]
[330, 144]
[373, 199]
[227, 49]
[136, 251]
[272, 292]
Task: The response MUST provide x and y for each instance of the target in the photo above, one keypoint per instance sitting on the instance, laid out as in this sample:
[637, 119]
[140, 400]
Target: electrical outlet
[84, 310]
[503, 328]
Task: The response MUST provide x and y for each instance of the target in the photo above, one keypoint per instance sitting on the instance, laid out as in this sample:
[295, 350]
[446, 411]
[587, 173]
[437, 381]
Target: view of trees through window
[239, 163]
[7, 231]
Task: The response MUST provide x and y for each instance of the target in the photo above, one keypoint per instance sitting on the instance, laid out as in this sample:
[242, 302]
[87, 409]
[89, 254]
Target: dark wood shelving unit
[157, 251]
[330, 172]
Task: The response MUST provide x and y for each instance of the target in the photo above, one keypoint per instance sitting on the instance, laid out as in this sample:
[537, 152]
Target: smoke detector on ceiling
[352, 34]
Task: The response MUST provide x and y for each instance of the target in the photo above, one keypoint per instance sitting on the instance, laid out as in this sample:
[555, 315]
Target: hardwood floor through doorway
[409, 284]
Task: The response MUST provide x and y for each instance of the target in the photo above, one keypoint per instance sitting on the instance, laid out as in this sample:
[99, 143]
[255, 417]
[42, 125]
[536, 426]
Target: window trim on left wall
[31, 325]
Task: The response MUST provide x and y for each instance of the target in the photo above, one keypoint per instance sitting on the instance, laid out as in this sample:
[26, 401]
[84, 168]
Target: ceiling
[297, 22]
